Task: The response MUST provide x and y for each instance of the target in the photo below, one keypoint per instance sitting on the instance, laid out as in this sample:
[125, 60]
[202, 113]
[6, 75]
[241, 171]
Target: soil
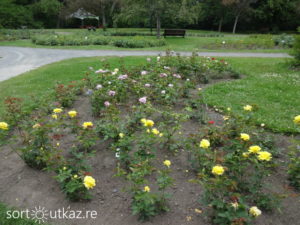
[26, 188]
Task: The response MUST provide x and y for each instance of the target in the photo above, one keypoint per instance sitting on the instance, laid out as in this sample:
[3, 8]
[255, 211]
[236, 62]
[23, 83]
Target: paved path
[17, 60]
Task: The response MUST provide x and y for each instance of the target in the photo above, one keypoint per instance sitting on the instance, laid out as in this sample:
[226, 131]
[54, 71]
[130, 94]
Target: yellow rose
[54, 116]
[254, 149]
[3, 126]
[161, 134]
[155, 131]
[167, 163]
[37, 125]
[264, 156]
[248, 108]
[149, 123]
[121, 135]
[245, 137]
[204, 143]
[86, 125]
[72, 114]
[57, 110]
[89, 182]
[217, 170]
[254, 211]
[146, 189]
[297, 120]
[143, 121]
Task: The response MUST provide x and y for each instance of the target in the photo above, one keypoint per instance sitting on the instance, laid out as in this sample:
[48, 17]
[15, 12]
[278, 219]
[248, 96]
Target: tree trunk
[220, 24]
[158, 26]
[103, 18]
[151, 17]
[235, 23]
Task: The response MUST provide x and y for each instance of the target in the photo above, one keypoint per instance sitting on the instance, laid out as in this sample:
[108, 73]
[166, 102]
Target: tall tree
[137, 10]
[238, 7]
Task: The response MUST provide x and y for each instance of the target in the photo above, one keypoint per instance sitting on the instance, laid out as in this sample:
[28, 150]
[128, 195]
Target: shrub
[79, 40]
[296, 49]
[284, 40]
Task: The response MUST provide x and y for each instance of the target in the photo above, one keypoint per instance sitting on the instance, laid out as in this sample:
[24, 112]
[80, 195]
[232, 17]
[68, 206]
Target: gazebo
[83, 14]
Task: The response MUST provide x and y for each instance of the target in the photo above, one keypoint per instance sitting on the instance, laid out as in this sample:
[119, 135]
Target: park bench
[174, 32]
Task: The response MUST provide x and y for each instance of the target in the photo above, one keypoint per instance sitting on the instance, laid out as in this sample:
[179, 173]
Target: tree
[238, 7]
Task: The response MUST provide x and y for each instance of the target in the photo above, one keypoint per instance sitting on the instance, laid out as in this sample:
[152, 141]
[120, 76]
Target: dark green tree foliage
[235, 15]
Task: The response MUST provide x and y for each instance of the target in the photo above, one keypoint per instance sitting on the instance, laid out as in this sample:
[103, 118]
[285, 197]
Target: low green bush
[296, 49]
[72, 40]
[251, 42]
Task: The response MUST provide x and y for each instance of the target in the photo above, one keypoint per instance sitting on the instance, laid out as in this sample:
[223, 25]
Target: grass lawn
[268, 83]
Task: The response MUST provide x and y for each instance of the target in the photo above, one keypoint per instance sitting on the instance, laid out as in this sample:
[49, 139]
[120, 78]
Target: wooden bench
[174, 32]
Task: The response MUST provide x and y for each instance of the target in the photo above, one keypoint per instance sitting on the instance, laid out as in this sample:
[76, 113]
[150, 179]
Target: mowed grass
[267, 83]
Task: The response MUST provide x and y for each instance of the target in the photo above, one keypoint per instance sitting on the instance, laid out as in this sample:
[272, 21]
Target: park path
[17, 60]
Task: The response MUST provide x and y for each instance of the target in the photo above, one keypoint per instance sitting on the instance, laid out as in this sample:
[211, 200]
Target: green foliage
[72, 184]
[147, 205]
[296, 49]
[70, 40]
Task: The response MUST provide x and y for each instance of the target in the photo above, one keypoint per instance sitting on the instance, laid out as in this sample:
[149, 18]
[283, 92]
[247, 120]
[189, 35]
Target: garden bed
[167, 91]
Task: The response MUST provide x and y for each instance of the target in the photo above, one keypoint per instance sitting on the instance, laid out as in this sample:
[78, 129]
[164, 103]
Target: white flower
[144, 72]
[171, 85]
[223, 42]
[163, 92]
[158, 58]
[99, 86]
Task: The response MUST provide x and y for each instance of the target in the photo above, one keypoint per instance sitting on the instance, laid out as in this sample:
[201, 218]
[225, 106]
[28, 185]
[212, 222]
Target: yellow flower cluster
[3, 126]
[254, 149]
[264, 156]
[204, 143]
[146, 189]
[254, 211]
[147, 123]
[297, 120]
[89, 182]
[218, 170]
[86, 125]
[167, 163]
[261, 155]
[245, 137]
[72, 113]
[57, 110]
[248, 108]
